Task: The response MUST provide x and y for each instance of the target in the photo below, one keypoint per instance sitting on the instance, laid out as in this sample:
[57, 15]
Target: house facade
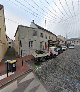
[74, 41]
[3, 39]
[61, 40]
[29, 39]
[10, 42]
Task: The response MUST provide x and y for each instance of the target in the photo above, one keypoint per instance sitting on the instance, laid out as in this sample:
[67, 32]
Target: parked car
[71, 47]
[40, 55]
[59, 49]
[64, 48]
[53, 51]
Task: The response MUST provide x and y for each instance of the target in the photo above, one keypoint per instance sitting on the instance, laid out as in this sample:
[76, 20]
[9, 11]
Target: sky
[62, 17]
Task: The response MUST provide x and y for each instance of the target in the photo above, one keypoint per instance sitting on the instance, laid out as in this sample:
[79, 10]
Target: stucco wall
[3, 40]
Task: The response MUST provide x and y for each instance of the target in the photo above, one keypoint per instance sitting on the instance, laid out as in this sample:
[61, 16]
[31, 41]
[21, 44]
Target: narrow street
[61, 74]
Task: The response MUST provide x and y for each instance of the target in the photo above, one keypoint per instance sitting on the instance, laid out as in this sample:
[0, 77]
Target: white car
[40, 55]
[64, 48]
[53, 51]
[71, 47]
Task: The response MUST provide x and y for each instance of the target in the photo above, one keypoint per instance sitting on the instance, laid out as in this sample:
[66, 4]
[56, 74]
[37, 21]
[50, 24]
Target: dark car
[59, 49]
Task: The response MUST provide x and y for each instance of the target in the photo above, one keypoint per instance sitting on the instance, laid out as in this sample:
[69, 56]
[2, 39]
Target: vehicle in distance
[71, 47]
[64, 48]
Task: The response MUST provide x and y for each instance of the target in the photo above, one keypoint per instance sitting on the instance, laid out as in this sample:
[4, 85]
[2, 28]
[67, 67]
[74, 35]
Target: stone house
[74, 41]
[61, 40]
[3, 39]
[29, 39]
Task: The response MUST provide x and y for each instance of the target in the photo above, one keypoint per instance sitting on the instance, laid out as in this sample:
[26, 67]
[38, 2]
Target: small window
[20, 43]
[45, 36]
[30, 43]
[9, 42]
[41, 35]
[0, 31]
[34, 33]
[49, 37]
[40, 45]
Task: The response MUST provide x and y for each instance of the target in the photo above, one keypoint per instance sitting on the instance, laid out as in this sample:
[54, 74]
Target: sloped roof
[1, 6]
[39, 27]
[72, 39]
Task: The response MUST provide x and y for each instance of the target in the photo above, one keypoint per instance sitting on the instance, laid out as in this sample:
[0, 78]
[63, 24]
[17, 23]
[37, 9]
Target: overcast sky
[62, 16]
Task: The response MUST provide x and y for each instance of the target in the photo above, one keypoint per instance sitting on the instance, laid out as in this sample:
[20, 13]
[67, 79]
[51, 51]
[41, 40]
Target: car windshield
[39, 52]
[55, 49]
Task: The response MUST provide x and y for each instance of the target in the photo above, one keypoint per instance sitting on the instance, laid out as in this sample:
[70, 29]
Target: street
[61, 74]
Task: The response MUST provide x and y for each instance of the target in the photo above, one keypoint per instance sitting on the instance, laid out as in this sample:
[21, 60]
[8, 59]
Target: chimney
[32, 21]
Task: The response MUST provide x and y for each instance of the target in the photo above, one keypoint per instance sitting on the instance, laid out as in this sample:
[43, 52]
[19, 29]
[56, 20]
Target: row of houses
[28, 39]
[74, 41]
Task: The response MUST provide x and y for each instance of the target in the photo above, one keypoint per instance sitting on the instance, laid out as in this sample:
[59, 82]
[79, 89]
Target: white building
[75, 41]
[61, 40]
[28, 39]
[10, 42]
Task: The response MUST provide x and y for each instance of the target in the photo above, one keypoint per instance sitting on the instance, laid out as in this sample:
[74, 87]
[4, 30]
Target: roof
[39, 27]
[72, 39]
[1, 6]
[22, 26]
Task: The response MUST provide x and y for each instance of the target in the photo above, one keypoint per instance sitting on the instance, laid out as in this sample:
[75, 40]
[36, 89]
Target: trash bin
[12, 65]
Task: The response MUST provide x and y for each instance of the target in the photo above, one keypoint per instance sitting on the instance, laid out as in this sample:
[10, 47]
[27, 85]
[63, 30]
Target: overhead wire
[50, 6]
[63, 8]
[46, 8]
[30, 12]
[73, 8]
[68, 8]
[24, 9]
[78, 5]
[30, 9]
[58, 8]
[12, 20]
[43, 9]
[38, 10]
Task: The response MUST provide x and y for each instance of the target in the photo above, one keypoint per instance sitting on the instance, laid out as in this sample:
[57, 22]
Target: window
[34, 33]
[45, 37]
[49, 37]
[40, 45]
[20, 43]
[41, 35]
[9, 42]
[30, 43]
[0, 31]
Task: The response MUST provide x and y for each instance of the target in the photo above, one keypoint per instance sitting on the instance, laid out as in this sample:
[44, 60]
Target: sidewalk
[30, 84]
[19, 69]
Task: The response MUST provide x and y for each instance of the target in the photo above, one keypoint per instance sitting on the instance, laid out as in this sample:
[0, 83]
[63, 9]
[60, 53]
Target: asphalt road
[61, 74]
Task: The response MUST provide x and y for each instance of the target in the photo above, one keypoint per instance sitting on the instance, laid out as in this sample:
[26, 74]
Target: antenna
[45, 23]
